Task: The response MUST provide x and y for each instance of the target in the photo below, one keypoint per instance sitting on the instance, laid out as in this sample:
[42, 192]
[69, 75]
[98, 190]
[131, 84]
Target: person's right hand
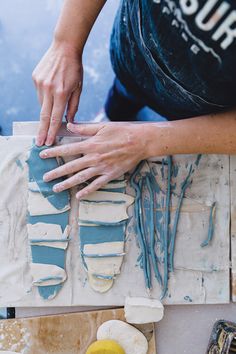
[58, 79]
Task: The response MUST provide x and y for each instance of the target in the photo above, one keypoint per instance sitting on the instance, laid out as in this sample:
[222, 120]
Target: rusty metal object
[223, 338]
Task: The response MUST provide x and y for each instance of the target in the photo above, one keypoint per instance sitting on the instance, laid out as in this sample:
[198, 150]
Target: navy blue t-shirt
[180, 55]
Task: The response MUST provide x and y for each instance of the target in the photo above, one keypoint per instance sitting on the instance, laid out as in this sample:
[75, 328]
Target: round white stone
[129, 337]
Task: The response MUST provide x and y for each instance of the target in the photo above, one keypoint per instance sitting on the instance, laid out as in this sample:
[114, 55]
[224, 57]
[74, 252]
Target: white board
[201, 275]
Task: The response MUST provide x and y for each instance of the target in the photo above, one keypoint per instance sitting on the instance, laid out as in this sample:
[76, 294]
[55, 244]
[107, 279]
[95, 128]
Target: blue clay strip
[167, 222]
[176, 221]
[49, 278]
[147, 266]
[158, 213]
[40, 240]
[198, 159]
[113, 190]
[101, 223]
[48, 255]
[38, 167]
[100, 234]
[135, 186]
[106, 277]
[211, 226]
[152, 236]
[104, 201]
[101, 255]
[57, 219]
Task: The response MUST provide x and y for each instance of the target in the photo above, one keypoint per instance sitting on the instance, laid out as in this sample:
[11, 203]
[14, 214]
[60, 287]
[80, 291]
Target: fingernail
[43, 154]
[39, 141]
[46, 177]
[57, 188]
[49, 141]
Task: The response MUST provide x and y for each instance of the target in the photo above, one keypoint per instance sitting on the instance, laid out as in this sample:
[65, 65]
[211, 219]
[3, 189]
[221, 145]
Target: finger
[40, 96]
[78, 178]
[45, 115]
[68, 168]
[59, 105]
[72, 149]
[85, 129]
[72, 106]
[93, 186]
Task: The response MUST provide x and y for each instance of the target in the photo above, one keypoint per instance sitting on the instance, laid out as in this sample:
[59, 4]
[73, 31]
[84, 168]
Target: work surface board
[61, 334]
[201, 274]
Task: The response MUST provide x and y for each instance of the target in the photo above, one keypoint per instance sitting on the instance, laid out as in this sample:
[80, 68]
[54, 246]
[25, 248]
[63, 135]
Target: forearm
[75, 22]
[213, 134]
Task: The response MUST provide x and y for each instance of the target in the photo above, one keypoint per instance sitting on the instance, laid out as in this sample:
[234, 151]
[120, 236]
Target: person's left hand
[111, 150]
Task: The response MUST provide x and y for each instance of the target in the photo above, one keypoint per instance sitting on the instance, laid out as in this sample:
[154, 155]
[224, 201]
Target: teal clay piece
[37, 168]
[42, 254]
[97, 232]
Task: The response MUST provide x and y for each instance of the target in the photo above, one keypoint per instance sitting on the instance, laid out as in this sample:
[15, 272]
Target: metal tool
[223, 338]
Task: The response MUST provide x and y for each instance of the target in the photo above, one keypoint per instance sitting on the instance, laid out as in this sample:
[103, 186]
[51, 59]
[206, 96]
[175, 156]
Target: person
[175, 56]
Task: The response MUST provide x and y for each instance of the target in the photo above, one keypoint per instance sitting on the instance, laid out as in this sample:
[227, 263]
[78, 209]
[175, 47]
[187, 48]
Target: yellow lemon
[105, 347]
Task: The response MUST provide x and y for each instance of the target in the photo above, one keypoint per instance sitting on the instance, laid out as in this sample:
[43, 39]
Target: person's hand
[58, 79]
[111, 150]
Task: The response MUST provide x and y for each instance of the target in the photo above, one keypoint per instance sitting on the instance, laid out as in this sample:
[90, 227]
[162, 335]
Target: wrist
[66, 47]
[157, 139]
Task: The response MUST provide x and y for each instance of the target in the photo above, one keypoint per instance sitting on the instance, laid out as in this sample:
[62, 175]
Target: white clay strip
[121, 178]
[97, 212]
[109, 266]
[47, 274]
[44, 231]
[58, 244]
[104, 248]
[119, 184]
[81, 223]
[105, 266]
[38, 205]
[110, 197]
[66, 232]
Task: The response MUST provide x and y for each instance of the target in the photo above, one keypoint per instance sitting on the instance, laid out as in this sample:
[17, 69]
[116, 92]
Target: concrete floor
[25, 32]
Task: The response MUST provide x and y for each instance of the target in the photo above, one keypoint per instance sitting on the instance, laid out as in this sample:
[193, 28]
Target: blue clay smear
[19, 164]
[38, 167]
[211, 226]
[50, 291]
